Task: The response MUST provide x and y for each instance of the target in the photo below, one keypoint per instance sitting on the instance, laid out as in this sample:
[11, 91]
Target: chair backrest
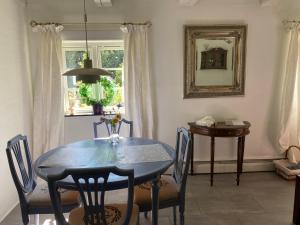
[183, 158]
[109, 128]
[20, 168]
[92, 185]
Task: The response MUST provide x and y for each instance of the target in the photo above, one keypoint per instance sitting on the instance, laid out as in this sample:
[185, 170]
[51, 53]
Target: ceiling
[66, 7]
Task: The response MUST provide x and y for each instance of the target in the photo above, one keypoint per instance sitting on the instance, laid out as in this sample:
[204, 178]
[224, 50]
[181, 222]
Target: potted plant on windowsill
[97, 95]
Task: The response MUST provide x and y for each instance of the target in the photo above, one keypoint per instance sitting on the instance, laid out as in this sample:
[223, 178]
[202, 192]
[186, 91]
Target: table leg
[212, 160]
[296, 213]
[155, 200]
[192, 154]
[240, 157]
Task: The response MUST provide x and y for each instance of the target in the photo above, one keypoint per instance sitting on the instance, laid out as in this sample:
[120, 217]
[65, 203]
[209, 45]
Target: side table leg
[192, 154]
[155, 201]
[242, 154]
[240, 157]
[212, 160]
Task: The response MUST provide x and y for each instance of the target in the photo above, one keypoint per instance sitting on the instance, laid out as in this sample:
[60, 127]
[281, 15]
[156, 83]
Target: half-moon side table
[220, 129]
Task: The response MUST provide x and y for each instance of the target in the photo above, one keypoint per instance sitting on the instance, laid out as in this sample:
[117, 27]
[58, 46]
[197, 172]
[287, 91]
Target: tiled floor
[261, 199]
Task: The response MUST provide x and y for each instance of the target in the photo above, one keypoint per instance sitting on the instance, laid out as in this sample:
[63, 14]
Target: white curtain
[138, 96]
[48, 113]
[290, 95]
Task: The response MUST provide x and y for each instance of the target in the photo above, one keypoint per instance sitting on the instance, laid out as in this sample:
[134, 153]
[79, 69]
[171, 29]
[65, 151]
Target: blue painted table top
[100, 153]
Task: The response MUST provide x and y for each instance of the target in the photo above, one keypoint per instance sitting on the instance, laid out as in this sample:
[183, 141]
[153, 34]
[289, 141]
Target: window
[105, 54]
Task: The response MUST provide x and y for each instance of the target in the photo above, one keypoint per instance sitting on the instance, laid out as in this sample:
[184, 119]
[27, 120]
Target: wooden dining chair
[172, 188]
[107, 123]
[92, 185]
[34, 197]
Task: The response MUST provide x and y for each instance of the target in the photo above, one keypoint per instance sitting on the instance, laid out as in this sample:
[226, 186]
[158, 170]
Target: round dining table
[149, 159]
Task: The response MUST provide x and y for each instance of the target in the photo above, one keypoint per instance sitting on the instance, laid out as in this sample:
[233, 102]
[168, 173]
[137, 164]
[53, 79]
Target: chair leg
[25, 219]
[181, 212]
[37, 219]
[146, 214]
[181, 218]
[174, 214]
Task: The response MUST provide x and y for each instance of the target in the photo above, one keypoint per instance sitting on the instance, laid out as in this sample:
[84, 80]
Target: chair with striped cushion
[92, 185]
[172, 188]
[34, 197]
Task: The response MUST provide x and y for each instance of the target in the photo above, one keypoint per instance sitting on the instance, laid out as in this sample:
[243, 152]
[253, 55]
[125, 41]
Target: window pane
[71, 81]
[117, 75]
[118, 98]
[112, 58]
[74, 59]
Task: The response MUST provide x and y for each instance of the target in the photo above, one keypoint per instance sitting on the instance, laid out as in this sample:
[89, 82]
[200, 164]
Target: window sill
[89, 114]
[107, 112]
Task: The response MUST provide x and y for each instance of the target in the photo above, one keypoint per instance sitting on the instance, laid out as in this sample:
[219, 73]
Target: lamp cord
[86, 36]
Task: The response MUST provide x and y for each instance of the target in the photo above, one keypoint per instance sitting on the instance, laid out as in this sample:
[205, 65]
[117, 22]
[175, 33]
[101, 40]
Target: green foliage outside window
[117, 74]
[106, 92]
[74, 59]
[112, 58]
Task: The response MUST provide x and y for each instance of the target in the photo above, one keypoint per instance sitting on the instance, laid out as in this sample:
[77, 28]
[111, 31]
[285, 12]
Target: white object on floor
[283, 170]
[293, 154]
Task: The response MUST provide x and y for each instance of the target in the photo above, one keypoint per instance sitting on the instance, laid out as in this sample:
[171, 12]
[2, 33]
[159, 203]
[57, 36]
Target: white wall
[14, 93]
[171, 110]
[261, 58]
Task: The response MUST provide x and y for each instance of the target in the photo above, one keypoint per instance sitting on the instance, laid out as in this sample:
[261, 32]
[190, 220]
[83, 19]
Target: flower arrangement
[115, 120]
[114, 137]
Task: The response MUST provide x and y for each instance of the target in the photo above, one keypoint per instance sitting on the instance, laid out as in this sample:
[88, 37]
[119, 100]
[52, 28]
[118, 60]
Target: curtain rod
[34, 23]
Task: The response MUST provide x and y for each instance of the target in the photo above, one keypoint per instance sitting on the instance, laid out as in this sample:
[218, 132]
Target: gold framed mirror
[214, 62]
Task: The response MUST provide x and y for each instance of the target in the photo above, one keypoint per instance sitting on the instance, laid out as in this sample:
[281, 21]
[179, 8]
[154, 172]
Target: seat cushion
[168, 191]
[115, 215]
[40, 196]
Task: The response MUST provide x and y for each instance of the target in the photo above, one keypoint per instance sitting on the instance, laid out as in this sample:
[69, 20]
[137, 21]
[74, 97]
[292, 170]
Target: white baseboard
[259, 165]
[8, 212]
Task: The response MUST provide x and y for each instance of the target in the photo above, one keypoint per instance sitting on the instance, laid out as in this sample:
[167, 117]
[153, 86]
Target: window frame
[95, 47]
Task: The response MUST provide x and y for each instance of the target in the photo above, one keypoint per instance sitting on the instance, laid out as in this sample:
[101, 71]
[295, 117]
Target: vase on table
[114, 136]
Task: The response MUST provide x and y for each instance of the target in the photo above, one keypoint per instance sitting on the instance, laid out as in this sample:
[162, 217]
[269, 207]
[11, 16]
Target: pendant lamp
[87, 74]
